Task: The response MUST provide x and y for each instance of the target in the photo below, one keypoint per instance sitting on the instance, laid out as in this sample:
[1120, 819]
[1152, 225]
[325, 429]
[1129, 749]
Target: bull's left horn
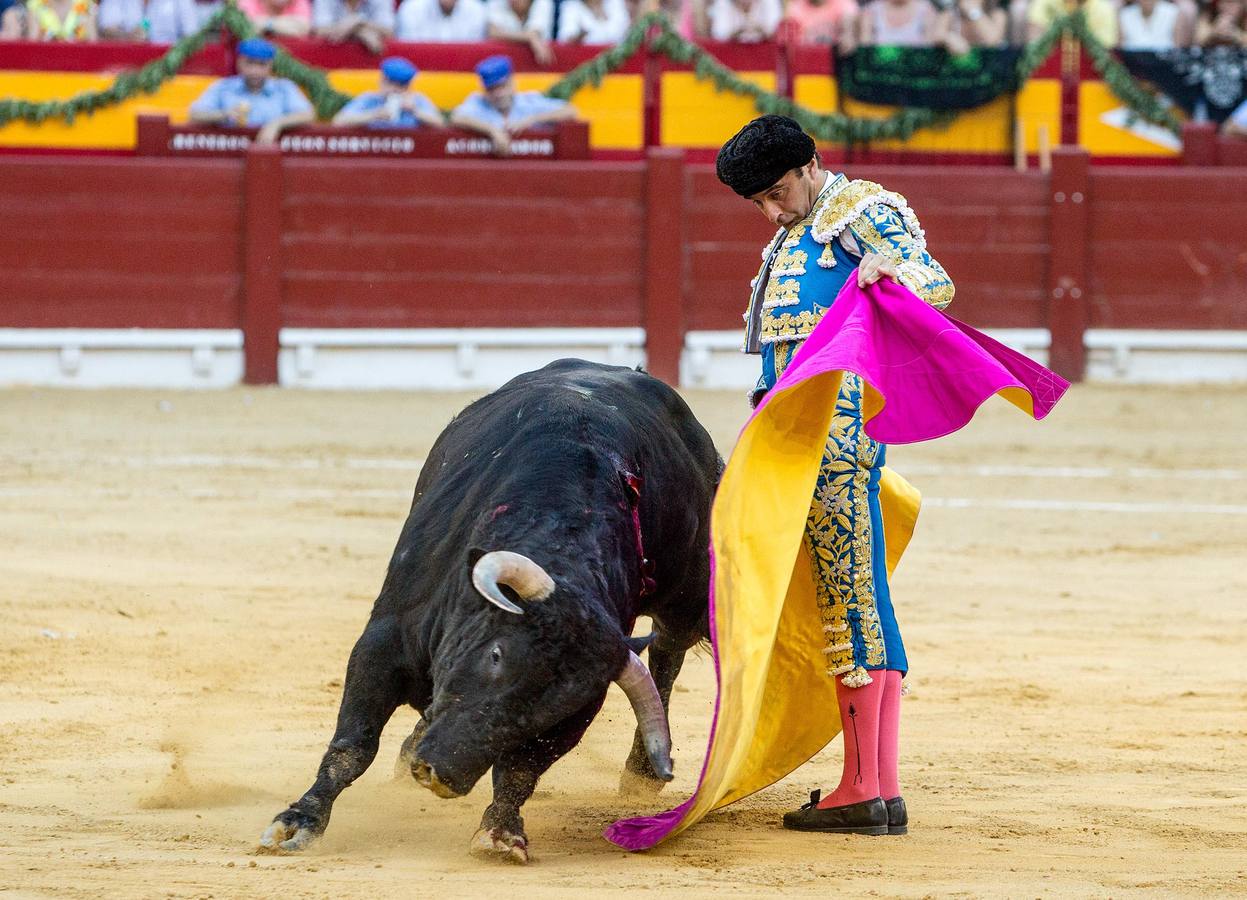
[529, 581]
[650, 715]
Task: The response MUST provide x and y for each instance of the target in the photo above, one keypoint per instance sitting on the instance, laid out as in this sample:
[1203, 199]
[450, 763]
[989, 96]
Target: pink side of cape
[932, 372]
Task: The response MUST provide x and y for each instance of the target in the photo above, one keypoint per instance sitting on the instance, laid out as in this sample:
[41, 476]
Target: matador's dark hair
[761, 153]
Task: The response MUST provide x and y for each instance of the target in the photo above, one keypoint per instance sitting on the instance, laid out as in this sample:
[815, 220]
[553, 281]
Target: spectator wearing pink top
[821, 21]
[289, 18]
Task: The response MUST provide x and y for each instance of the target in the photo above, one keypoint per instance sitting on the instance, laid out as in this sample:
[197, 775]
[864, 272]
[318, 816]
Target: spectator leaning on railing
[1223, 22]
[60, 20]
[897, 23]
[394, 105]
[1101, 16]
[744, 21]
[288, 18]
[158, 21]
[971, 23]
[593, 21]
[501, 111]
[1150, 25]
[441, 21]
[821, 21]
[371, 22]
[254, 98]
[527, 22]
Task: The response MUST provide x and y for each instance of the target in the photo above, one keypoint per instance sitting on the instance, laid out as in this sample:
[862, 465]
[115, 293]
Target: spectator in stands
[1223, 22]
[1149, 25]
[254, 98]
[501, 111]
[744, 21]
[1101, 16]
[594, 21]
[527, 22]
[971, 23]
[896, 23]
[60, 20]
[1236, 124]
[442, 21]
[158, 21]
[287, 18]
[371, 22]
[13, 21]
[394, 105]
[821, 21]
[205, 8]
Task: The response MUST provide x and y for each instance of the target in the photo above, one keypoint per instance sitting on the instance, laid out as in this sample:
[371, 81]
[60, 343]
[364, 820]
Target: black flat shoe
[898, 817]
[868, 817]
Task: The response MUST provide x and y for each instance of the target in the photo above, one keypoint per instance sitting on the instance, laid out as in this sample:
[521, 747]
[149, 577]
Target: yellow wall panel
[1114, 137]
[817, 92]
[113, 128]
[694, 114]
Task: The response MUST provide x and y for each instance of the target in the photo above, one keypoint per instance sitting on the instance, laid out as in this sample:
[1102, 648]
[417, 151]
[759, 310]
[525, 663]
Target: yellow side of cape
[782, 709]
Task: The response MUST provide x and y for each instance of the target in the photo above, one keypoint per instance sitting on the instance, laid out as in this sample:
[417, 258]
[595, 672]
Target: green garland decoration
[654, 29]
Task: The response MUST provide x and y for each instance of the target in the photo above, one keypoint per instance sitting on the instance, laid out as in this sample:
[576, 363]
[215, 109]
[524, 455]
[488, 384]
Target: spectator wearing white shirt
[158, 21]
[1149, 25]
[744, 21]
[528, 22]
[593, 21]
[442, 21]
[371, 22]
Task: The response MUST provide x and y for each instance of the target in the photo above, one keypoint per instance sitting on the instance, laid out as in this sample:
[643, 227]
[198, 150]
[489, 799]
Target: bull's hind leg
[373, 689]
[515, 778]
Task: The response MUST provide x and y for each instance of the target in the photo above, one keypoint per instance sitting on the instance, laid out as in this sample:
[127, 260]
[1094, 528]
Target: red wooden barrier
[277, 241]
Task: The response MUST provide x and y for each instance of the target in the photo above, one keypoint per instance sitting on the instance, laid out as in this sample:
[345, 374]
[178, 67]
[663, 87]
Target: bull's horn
[517, 572]
[650, 715]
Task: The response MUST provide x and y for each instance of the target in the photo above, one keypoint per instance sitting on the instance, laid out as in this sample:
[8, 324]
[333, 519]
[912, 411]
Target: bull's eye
[495, 654]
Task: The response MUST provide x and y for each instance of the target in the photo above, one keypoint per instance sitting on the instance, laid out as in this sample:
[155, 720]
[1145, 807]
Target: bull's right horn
[517, 572]
[638, 684]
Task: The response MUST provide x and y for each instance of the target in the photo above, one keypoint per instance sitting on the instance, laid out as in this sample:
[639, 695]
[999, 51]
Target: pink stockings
[871, 717]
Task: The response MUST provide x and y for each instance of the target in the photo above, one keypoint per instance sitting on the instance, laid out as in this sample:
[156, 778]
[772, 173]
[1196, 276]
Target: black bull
[548, 516]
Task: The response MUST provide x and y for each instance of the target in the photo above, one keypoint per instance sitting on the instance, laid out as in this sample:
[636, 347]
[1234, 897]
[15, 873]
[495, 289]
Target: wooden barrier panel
[119, 243]
[467, 244]
[279, 241]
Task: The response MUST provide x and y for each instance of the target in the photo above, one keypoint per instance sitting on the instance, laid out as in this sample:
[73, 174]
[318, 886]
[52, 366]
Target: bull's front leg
[665, 661]
[515, 778]
[372, 691]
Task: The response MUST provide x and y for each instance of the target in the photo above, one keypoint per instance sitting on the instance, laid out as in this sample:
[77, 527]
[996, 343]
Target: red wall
[117, 243]
[389, 244]
[1169, 251]
[164, 243]
[988, 227]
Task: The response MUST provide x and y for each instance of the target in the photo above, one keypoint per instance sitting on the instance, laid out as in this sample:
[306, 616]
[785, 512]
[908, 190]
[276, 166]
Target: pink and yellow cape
[924, 376]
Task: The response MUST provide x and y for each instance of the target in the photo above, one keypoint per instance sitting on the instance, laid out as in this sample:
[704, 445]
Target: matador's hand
[873, 267]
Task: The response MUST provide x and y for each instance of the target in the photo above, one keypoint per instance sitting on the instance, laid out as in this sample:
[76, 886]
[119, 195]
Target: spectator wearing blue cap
[370, 22]
[254, 98]
[501, 111]
[394, 105]
[442, 21]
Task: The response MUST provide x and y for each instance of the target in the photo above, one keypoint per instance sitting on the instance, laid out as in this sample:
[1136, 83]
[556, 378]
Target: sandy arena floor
[182, 576]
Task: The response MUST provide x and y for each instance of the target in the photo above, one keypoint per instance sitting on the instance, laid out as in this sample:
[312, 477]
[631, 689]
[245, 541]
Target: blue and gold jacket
[818, 255]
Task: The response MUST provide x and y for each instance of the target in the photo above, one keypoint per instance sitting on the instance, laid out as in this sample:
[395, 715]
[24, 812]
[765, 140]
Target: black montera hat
[761, 153]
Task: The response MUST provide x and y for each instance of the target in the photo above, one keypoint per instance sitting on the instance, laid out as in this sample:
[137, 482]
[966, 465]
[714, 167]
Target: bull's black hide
[571, 475]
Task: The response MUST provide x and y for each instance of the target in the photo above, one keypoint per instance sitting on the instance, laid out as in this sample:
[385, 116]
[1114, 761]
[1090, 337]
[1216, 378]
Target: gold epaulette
[840, 211]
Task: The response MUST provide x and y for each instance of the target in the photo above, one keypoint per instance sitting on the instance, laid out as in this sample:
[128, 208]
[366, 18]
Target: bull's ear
[638, 644]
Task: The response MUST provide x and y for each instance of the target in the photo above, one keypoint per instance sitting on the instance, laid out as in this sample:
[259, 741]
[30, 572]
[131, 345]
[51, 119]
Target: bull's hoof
[291, 832]
[498, 843]
[636, 784]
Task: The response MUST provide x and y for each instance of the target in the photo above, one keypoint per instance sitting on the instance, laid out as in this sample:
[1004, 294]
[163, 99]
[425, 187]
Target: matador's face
[789, 200]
